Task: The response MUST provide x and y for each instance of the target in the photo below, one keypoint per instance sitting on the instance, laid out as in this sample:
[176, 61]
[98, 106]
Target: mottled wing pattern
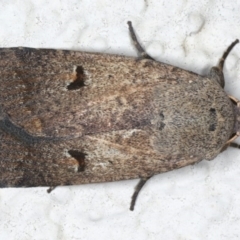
[93, 158]
[72, 117]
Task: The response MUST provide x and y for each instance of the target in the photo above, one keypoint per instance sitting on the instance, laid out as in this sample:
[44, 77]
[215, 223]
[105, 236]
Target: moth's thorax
[195, 118]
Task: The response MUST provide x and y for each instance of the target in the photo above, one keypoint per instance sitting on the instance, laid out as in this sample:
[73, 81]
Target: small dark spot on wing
[80, 157]
[161, 116]
[213, 110]
[162, 124]
[213, 119]
[212, 127]
[79, 80]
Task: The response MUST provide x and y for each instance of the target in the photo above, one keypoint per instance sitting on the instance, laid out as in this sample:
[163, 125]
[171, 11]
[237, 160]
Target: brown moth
[70, 117]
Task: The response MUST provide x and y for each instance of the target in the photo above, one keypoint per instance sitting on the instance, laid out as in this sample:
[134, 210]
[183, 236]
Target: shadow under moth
[69, 117]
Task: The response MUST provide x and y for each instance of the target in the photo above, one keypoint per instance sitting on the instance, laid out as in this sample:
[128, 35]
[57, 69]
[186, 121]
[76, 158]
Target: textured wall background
[196, 202]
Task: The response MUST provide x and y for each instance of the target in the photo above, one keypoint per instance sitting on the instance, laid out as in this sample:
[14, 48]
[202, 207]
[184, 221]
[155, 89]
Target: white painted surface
[196, 202]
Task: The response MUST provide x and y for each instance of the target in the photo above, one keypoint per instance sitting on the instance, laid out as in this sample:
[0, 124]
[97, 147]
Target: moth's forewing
[74, 117]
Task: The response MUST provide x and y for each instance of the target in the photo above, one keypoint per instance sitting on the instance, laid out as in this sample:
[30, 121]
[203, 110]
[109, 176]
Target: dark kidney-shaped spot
[80, 157]
[79, 81]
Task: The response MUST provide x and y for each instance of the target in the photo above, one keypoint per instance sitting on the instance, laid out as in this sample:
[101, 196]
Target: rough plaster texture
[196, 202]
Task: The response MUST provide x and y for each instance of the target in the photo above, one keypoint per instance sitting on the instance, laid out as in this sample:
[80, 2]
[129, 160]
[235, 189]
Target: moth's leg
[140, 50]
[50, 189]
[234, 145]
[216, 72]
[138, 188]
[231, 144]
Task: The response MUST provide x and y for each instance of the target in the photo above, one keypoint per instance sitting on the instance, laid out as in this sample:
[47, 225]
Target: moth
[69, 117]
